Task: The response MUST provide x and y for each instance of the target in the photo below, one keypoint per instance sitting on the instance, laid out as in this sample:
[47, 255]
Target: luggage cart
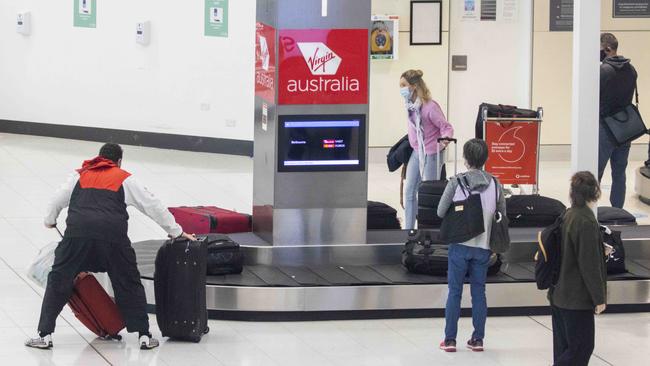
[514, 148]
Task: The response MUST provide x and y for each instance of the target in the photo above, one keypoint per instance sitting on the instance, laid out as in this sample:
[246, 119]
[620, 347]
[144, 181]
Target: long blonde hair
[414, 77]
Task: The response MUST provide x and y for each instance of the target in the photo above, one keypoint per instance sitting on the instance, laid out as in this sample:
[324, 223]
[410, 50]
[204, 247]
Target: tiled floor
[33, 166]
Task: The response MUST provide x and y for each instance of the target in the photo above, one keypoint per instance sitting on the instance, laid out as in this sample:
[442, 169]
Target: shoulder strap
[496, 191]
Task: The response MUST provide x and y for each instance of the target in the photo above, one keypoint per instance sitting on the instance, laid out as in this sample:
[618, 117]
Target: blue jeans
[412, 183]
[618, 155]
[464, 260]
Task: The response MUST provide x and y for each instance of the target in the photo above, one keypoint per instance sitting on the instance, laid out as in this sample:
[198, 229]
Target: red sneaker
[448, 345]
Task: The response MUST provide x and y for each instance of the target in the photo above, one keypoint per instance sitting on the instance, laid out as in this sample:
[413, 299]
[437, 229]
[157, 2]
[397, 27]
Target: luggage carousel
[368, 281]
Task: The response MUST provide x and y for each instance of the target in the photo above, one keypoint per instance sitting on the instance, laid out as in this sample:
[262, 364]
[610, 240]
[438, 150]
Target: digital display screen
[321, 143]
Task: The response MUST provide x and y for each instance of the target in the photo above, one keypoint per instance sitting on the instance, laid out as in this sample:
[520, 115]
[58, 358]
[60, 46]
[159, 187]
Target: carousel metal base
[642, 186]
[367, 281]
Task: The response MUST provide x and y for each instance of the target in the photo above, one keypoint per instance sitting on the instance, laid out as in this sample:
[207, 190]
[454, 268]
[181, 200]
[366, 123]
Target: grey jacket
[479, 182]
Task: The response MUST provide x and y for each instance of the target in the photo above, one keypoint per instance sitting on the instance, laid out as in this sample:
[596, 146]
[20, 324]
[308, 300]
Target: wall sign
[384, 37]
[631, 8]
[216, 18]
[265, 62]
[85, 13]
[323, 66]
[561, 16]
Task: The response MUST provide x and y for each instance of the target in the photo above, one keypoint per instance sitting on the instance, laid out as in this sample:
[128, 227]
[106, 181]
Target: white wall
[499, 64]
[102, 78]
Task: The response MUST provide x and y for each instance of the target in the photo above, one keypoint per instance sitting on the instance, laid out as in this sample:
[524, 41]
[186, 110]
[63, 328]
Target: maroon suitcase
[95, 309]
[211, 219]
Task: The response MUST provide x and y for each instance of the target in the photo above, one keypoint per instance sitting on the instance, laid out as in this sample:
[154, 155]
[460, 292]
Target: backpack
[549, 257]
[616, 260]
[422, 256]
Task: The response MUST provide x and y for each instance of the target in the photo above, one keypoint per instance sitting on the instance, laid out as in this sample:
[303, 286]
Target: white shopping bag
[42, 266]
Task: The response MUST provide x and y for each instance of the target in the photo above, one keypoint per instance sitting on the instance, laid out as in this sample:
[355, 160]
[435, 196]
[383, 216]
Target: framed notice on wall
[384, 37]
[631, 8]
[216, 18]
[426, 22]
[85, 13]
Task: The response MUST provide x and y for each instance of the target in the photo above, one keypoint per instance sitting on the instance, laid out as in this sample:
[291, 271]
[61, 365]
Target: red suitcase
[95, 309]
[211, 219]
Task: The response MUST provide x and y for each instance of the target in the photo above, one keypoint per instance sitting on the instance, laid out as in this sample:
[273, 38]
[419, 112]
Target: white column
[586, 83]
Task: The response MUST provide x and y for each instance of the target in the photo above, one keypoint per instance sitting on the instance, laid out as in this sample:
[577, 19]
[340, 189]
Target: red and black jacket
[97, 207]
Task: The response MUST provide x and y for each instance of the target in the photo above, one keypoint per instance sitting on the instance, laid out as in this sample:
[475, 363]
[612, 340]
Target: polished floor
[32, 167]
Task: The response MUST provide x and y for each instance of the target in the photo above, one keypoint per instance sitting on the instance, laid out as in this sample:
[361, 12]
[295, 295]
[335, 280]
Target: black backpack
[549, 256]
[422, 256]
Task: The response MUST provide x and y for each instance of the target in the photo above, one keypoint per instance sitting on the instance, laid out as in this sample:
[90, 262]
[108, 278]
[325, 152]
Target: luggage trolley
[514, 148]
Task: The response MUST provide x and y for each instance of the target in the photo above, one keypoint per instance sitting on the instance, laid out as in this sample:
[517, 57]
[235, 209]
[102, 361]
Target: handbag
[499, 235]
[626, 125]
[464, 219]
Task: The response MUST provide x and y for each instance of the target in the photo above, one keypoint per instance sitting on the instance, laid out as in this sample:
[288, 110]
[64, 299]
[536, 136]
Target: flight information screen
[321, 143]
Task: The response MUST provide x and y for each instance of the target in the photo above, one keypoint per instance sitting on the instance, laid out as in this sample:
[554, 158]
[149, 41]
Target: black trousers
[573, 336]
[76, 255]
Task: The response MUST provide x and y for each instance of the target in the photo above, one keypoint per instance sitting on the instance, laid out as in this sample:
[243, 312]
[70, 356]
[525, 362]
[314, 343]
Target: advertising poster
[265, 62]
[631, 8]
[216, 18]
[323, 66]
[470, 10]
[384, 37]
[512, 151]
[85, 13]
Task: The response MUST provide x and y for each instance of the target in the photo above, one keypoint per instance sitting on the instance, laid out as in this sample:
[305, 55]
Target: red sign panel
[321, 66]
[513, 148]
[265, 62]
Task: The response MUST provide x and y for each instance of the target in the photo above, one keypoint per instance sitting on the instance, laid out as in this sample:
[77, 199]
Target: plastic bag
[42, 266]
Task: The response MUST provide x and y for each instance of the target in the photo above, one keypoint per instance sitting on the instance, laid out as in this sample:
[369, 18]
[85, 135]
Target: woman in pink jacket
[426, 124]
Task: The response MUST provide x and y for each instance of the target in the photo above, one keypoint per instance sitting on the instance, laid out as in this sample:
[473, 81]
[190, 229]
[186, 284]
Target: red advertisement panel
[321, 66]
[265, 62]
[513, 148]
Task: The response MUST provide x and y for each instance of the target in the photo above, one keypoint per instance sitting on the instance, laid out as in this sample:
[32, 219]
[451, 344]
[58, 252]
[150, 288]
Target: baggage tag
[459, 208]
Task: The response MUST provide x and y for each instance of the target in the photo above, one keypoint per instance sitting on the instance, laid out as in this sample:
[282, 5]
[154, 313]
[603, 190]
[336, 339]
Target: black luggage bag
[382, 217]
[616, 260]
[425, 254]
[179, 283]
[615, 216]
[224, 256]
[533, 210]
[500, 111]
[430, 192]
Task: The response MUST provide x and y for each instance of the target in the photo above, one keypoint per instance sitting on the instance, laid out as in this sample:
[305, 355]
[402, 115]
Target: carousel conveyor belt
[367, 280]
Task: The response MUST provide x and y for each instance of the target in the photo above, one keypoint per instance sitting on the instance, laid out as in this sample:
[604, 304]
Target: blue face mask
[405, 92]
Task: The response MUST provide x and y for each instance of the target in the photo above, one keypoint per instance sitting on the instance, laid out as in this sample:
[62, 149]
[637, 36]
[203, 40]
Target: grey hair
[475, 153]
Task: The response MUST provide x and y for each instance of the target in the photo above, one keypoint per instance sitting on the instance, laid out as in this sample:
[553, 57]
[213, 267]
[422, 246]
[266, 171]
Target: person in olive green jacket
[581, 289]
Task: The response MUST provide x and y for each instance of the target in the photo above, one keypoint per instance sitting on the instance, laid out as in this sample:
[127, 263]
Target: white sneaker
[40, 342]
[148, 342]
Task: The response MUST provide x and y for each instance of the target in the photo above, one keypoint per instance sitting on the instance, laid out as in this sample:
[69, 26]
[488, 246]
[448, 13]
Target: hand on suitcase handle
[448, 139]
[190, 237]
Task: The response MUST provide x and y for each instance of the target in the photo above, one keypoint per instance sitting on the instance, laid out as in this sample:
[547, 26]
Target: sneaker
[148, 342]
[475, 345]
[448, 345]
[40, 342]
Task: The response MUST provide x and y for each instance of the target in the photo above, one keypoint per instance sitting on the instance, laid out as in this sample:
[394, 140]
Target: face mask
[405, 92]
[603, 55]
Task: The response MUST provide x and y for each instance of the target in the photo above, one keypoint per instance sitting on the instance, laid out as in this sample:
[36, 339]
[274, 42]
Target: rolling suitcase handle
[438, 159]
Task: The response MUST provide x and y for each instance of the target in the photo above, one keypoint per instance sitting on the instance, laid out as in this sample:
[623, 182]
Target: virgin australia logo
[319, 58]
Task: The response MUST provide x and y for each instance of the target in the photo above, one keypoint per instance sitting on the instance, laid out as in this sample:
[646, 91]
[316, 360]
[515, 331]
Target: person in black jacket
[617, 86]
[581, 288]
[96, 240]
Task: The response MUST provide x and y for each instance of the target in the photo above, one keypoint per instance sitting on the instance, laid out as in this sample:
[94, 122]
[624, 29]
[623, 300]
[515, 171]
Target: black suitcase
[533, 210]
[615, 216]
[500, 111]
[616, 260]
[179, 284]
[429, 194]
[224, 256]
[382, 217]
[425, 254]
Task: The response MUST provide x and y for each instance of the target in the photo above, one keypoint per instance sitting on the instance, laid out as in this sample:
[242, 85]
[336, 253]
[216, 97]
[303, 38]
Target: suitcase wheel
[109, 337]
[207, 330]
